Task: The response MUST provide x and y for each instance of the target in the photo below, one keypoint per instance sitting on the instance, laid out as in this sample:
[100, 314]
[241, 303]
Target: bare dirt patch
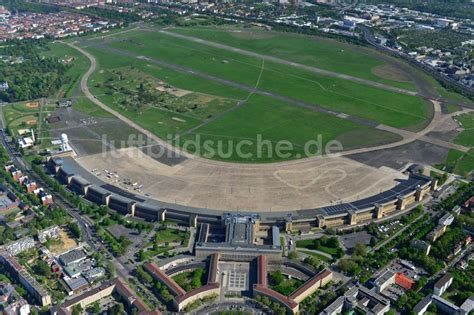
[164, 87]
[32, 104]
[66, 243]
[31, 122]
[391, 73]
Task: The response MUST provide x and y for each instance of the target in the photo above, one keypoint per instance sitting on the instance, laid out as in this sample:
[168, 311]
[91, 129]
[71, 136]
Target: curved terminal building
[407, 192]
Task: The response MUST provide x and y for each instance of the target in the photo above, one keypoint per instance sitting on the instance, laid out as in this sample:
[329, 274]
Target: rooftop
[443, 280]
[72, 256]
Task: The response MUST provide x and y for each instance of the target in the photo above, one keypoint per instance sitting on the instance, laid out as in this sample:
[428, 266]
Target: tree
[75, 230]
[293, 255]
[372, 242]
[360, 249]
[111, 269]
[43, 268]
[143, 275]
[77, 309]
[277, 277]
[349, 266]
[266, 301]
[117, 309]
[95, 308]
[165, 295]
[332, 242]
[314, 262]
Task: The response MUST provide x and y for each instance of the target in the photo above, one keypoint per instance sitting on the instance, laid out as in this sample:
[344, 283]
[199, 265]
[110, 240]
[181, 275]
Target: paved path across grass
[302, 249]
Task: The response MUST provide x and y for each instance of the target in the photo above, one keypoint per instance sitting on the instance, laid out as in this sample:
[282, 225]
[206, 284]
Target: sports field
[24, 116]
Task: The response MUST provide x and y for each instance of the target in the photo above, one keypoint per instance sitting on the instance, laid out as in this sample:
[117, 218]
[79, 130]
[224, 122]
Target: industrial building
[72, 256]
[75, 285]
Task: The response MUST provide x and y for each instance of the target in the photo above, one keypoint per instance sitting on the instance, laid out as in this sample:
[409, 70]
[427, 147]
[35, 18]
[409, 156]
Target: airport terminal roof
[403, 187]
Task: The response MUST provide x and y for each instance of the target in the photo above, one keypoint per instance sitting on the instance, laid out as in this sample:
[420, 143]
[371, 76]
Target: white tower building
[65, 143]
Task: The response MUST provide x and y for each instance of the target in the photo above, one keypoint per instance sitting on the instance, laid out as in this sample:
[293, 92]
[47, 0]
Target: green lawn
[271, 121]
[309, 244]
[466, 137]
[190, 280]
[318, 256]
[259, 118]
[283, 284]
[456, 161]
[183, 81]
[390, 108]
[86, 106]
[327, 245]
[314, 51]
[170, 235]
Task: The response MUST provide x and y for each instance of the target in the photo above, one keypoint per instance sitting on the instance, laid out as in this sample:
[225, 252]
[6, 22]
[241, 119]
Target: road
[452, 262]
[377, 247]
[302, 249]
[245, 306]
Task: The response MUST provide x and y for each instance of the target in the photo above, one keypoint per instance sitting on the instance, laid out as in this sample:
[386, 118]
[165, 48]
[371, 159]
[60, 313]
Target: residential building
[30, 284]
[443, 284]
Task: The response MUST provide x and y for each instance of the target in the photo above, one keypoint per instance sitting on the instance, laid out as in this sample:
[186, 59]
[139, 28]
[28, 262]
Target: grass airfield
[173, 103]
[137, 76]
[183, 90]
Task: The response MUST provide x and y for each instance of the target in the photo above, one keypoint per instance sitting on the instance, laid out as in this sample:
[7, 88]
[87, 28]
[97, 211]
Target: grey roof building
[73, 256]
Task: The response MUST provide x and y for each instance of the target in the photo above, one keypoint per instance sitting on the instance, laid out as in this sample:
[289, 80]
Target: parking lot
[349, 241]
